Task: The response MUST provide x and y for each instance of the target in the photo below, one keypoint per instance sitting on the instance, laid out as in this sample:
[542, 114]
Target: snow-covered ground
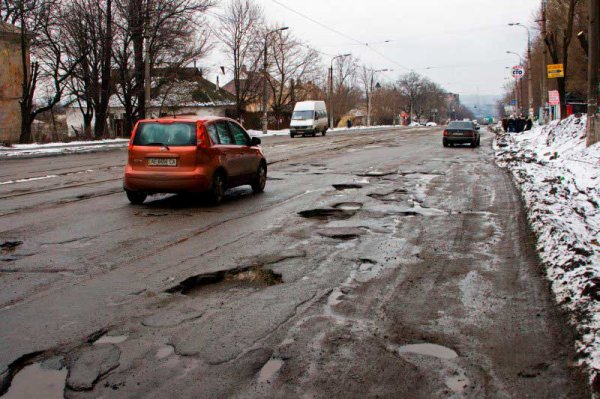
[559, 180]
[32, 150]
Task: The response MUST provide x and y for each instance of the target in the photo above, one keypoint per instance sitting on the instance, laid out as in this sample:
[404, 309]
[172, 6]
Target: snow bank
[559, 180]
[32, 150]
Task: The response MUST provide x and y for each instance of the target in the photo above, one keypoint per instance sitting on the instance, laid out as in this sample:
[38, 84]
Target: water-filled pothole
[348, 186]
[439, 351]
[38, 380]
[252, 275]
[327, 213]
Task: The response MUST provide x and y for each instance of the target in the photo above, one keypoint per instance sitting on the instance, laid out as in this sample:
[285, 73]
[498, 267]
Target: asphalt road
[375, 264]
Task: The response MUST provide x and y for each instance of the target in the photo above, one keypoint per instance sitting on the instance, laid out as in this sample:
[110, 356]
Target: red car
[192, 154]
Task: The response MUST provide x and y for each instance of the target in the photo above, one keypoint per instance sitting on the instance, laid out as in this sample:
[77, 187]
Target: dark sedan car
[461, 132]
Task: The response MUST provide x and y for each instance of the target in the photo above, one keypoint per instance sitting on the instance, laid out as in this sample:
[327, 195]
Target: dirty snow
[559, 180]
[29, 150]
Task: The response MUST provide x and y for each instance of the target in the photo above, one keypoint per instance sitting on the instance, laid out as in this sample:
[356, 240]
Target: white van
[309, 117]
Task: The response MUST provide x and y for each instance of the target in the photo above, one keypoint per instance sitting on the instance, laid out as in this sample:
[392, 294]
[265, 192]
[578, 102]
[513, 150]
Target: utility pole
[544, 63]
[265, 117]
[529, 83]
[370, 94]
[593, 119]
[332, 120]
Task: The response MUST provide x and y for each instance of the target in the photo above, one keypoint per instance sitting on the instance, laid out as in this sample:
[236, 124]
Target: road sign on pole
[554, 97]
[556, 71]
[518, 71]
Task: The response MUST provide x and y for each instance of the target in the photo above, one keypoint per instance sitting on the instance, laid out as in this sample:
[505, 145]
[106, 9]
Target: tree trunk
[102, 107]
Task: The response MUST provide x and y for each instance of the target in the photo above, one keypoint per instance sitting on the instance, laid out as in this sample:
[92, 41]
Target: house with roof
[11, 80]
[181, 91]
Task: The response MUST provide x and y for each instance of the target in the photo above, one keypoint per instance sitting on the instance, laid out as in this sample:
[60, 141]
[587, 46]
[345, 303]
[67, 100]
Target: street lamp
[265, 118]
[331, 87]
[529, 82]
[517, 83]
[370, 99]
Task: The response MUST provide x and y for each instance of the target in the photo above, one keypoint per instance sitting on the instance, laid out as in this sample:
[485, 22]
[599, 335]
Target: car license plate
[458, 134]
[162, 162]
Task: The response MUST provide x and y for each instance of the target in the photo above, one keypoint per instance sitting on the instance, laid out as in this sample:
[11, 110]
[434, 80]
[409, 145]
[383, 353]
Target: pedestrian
[511, 124]
[505, 124]
[348, 123]
[528, 124]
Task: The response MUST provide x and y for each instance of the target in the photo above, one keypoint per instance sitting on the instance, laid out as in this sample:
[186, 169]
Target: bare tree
[175, 32]
[40, 33]
[346, 94]
[291, 62]
[240, 33]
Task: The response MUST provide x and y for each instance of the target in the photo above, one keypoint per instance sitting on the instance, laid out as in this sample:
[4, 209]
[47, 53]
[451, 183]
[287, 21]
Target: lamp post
[331, 121]
[370, 99]
[521, 63]
[529, 82]
[265, 118]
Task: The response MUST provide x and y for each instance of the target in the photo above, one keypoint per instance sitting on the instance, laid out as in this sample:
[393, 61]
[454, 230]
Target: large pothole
[250, 276]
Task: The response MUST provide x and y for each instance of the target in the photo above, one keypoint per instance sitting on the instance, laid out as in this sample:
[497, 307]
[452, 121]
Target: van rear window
[169, 134]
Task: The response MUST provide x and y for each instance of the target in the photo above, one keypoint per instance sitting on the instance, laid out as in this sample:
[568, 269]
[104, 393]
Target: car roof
[187, 118]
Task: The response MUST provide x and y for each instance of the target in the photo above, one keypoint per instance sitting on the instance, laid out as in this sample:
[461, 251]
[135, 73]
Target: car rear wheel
[323, 132]
[217, 190]
[474, 144]
[444, 143]
[136, 197]
[292, 135]
[258, 185]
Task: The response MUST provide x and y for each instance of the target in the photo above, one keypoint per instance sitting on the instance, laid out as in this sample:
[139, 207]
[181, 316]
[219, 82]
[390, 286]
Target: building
[11, 80]
[181, 91]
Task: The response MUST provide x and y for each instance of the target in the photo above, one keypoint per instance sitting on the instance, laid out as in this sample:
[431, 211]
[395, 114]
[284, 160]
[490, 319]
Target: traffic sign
[518, 72]
[513, 102]
[553, 97]
[556, 71]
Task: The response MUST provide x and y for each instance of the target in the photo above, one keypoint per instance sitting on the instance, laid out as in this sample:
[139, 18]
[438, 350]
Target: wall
[11, 78]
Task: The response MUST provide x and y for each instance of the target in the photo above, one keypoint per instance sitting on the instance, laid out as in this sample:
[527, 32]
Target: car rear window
[461, 125]
[169, 134]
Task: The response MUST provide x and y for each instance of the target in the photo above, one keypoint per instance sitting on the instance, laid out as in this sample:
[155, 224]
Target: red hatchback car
[192, 154]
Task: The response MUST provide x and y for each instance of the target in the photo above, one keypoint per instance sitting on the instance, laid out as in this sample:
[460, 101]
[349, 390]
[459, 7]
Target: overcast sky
[461, 44]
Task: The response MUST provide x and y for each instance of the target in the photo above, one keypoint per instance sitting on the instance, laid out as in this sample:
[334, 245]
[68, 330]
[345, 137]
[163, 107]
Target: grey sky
[462, 42]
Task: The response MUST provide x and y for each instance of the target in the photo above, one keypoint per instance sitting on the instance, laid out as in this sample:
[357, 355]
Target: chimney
[218, 86]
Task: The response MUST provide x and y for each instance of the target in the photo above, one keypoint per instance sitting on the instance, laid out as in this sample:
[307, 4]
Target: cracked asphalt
[376, 264]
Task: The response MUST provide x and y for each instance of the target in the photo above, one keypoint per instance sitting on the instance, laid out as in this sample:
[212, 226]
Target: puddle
[348, 206]
[457, 383]
[254, 275]
[164, 351]
[10, 246]
[349, 186]
[441, 352]
[111, 339]
[327, 213]
[268, 371]
[38, 381]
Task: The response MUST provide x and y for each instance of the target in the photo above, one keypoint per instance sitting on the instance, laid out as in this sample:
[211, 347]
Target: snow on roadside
[32, 150]
[559, 179]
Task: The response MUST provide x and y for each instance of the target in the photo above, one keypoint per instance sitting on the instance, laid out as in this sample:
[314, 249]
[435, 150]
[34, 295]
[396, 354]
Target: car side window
[223, 133]
[239, 135]
[212, 132]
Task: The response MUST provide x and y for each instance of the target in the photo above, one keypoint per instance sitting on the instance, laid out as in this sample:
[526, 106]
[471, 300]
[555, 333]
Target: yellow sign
[556, 71]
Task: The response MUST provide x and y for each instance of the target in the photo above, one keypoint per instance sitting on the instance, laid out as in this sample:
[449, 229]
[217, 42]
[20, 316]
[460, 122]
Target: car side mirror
[255, 141]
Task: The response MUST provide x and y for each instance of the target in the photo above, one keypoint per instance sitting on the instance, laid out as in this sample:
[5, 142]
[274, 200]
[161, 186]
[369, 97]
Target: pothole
[348, 186]
[348, 206]
[39, 380]
[269, 370]
[376, 173]
[341, 233]
[426, 349]
[252, 275]
[327, 213]
[10, 246]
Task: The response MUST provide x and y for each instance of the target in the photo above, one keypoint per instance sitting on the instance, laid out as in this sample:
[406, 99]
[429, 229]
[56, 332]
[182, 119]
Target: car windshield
[461, 125]
[167, 134]
[303, 115]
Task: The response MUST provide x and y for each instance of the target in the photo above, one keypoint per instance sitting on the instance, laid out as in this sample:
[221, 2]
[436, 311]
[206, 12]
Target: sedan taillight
[445, 133]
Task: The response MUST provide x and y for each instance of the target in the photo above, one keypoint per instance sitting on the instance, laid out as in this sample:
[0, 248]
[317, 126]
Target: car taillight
[202, 137]
[445, 133]
[133, 132]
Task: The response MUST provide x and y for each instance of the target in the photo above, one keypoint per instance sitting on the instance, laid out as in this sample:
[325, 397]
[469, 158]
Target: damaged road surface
[413, 276]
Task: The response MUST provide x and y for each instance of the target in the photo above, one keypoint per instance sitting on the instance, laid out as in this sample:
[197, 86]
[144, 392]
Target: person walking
[511, 124]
